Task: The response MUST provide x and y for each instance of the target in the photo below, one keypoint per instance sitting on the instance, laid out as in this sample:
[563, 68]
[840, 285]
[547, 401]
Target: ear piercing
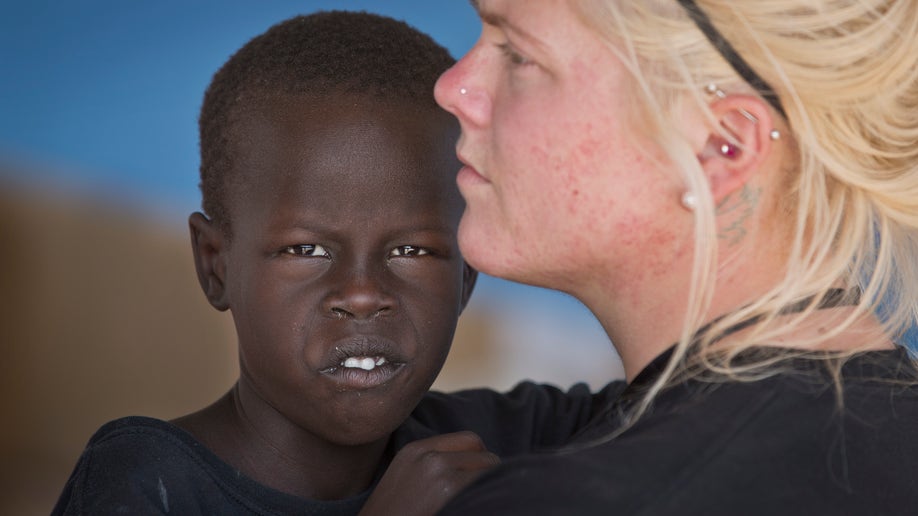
[728, 150]
[689, 201]
[463, 91]
[713, 89]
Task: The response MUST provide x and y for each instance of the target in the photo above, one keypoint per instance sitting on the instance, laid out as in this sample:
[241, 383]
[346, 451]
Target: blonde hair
[846, 73]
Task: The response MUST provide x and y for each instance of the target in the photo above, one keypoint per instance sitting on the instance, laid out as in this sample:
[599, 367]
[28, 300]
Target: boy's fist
[427, 473]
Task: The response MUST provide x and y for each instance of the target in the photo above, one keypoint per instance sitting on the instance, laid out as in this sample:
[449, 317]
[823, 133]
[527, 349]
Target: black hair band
[731, 56]
[832, 298]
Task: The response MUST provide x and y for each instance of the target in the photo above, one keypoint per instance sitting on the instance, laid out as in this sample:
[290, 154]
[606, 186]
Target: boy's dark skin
[328, 180]
[341, 242]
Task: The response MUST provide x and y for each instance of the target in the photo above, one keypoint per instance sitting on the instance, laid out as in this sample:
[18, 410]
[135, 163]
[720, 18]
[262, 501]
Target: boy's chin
[363, 433]
[369, 426]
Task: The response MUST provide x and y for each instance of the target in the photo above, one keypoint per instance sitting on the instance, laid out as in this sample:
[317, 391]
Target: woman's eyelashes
[512, 55]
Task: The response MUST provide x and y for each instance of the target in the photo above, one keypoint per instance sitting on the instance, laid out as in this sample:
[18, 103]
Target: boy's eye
[306, 250]
[409, 250]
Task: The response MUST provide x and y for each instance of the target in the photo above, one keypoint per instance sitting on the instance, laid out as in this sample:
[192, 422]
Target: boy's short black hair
[321, 53]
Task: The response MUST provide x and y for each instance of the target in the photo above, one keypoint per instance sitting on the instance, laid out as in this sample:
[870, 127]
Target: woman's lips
[468, 173]
[469, 176]
[363, 362]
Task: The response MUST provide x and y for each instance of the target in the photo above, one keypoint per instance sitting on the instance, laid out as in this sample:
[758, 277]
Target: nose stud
[463, 91]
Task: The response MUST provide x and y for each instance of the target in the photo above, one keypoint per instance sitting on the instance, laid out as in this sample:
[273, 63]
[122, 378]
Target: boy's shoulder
[142, 446]
[134, 448]
[141, 435]
[132, 465]
[141, 465]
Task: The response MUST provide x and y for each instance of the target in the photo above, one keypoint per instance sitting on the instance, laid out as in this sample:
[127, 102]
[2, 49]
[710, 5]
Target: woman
[732, 188]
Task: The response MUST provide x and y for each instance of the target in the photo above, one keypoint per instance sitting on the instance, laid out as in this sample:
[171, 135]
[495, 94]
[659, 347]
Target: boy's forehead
[295, 111]
[320, 115]
[338, 138]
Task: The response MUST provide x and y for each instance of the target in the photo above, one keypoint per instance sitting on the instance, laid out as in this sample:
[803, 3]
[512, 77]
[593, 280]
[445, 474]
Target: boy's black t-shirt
[787, 444]
[140, 465]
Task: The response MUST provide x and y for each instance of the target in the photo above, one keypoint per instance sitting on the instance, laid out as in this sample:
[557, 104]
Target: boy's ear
[469, 277]
[208, 243]
[732, 153]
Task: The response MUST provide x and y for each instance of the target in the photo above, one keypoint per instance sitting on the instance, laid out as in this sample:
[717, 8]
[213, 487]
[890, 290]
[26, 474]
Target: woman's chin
[478, 245]
[488, 251]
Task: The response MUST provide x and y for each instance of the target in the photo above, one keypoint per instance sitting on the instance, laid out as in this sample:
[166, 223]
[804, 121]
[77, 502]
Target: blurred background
[100, 312]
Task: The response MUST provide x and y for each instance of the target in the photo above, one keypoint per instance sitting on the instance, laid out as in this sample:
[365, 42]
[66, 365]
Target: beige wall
[100, 317]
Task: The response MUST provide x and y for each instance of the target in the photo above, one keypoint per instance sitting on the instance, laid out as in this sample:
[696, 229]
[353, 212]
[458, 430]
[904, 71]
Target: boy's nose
[359, 298]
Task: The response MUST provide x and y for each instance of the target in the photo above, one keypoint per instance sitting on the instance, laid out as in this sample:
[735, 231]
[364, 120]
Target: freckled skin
[561, 190]
[361, 180]
[570, 196]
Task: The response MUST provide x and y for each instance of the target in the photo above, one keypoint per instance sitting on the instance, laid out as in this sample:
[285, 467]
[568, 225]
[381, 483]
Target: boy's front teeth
[365, 363]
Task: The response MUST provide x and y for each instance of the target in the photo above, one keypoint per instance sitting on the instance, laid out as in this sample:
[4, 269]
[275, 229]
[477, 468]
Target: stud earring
[713, 89]
[463, 91]
[727, 150]
[689, 201]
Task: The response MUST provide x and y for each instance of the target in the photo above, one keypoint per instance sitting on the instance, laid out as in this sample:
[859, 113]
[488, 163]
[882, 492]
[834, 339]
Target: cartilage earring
[713, 89]
[689, 201]
[463, 91]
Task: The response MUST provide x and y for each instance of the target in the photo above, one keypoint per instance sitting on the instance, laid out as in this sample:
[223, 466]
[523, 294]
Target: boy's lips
[362, 362]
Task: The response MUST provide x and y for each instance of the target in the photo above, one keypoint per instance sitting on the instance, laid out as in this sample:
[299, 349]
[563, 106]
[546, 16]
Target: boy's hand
[427, 473]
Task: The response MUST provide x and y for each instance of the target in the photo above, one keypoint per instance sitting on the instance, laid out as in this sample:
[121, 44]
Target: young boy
[327, 174]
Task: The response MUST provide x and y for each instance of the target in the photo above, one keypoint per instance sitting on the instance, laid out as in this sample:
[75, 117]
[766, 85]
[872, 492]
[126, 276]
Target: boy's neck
[276, 453]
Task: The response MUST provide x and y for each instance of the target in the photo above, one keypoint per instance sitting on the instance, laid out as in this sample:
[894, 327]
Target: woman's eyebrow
[491, 17]
[499, 20]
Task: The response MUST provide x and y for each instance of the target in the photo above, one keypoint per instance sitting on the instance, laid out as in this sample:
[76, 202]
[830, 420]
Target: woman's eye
[306, 250]
[515, 58]
[409, 250]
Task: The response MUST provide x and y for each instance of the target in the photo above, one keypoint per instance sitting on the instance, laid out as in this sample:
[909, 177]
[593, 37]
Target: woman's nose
[462, 91]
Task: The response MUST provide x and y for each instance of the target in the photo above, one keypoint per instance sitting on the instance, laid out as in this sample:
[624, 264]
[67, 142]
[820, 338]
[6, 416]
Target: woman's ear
[208, 242]
[734, 151]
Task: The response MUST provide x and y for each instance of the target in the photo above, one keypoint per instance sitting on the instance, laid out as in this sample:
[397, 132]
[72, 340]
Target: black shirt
[784, 445]
[139, 465]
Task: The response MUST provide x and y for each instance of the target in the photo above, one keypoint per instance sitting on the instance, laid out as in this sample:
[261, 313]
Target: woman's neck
[644, 329]
[646, 314]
